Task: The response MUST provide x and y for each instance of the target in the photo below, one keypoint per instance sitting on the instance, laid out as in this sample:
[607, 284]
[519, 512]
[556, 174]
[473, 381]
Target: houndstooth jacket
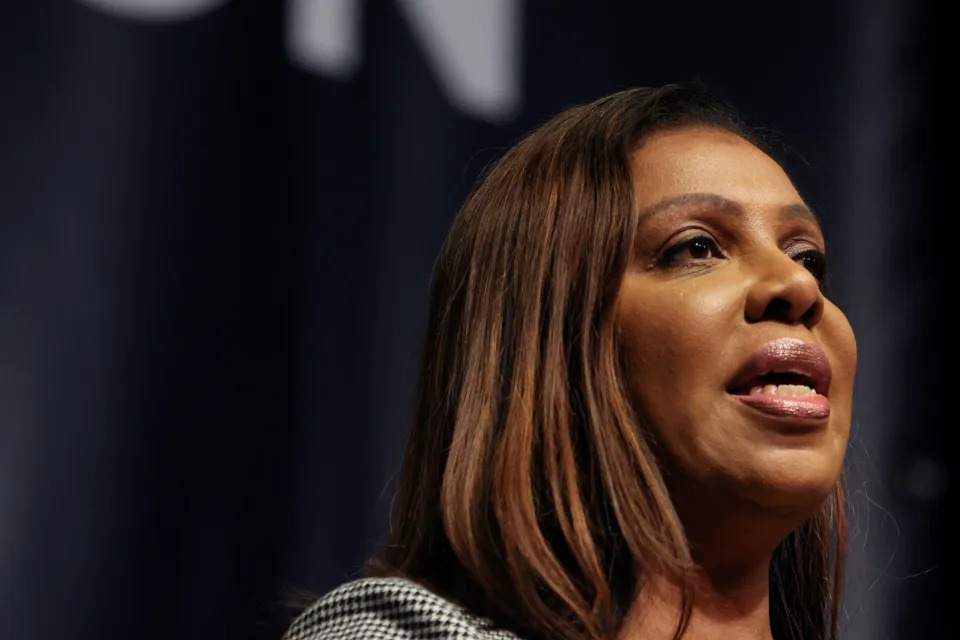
[389, 609]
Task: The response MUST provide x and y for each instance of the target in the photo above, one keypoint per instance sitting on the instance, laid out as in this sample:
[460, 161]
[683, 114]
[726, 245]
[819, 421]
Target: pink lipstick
[787, 378]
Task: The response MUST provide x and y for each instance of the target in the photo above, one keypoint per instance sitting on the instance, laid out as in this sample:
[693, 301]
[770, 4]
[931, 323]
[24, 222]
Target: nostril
[811, 315]
[792, 297]
[779, 309]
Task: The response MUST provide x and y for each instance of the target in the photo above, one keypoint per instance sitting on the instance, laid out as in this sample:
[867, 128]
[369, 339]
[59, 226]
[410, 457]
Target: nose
[784, 291]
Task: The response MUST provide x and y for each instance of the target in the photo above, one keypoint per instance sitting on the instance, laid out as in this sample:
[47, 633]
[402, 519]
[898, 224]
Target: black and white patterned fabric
[389, 609]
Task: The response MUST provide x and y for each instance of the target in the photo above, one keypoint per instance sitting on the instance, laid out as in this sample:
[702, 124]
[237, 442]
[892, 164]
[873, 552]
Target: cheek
[673, 335]
[660, 342]
[843, 341]
[841, 344]
[673, 341]
[676, 340]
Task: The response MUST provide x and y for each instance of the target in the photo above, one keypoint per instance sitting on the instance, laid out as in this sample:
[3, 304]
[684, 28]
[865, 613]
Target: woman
[634, 399]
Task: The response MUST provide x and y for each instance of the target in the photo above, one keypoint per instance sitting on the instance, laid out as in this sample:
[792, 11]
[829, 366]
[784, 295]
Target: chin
[795, 494]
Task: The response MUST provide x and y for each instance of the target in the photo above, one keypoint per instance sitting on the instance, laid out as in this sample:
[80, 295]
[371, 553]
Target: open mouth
[788, 384]
[784, 395]
[786, 378]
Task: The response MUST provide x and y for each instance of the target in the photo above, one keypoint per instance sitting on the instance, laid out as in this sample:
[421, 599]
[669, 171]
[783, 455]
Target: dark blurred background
[218, 220]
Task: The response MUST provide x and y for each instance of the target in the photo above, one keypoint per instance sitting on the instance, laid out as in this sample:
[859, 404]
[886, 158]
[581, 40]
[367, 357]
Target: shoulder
[389, 609]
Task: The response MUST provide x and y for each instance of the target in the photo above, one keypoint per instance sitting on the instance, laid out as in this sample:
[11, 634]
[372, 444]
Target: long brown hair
[529, 493]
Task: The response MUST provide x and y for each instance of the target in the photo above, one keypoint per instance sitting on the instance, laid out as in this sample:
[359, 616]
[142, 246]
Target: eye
[696, 249]
[813, 261]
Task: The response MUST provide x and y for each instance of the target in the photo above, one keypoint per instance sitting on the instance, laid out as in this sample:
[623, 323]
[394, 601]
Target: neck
[728, 607]
[729, 591]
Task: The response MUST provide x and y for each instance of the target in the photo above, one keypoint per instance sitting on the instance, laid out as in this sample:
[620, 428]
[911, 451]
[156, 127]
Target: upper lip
[787, 355]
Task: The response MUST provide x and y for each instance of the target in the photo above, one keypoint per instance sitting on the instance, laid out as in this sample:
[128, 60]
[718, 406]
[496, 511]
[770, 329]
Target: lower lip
[814, 407]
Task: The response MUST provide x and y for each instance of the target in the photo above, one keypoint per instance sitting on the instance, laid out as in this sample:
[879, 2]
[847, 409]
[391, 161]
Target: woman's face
[735, 359]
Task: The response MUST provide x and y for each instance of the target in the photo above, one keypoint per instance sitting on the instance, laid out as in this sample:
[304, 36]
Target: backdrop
[217, 224]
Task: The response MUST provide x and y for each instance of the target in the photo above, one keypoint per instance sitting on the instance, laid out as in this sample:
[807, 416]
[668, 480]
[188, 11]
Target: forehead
[705, 160]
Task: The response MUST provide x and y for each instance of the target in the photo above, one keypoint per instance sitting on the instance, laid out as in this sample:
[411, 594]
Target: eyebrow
[715, 201]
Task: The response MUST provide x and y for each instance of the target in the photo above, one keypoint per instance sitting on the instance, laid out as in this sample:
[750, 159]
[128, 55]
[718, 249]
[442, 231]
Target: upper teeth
[783, 390]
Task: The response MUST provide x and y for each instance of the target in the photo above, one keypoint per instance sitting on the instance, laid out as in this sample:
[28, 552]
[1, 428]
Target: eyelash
[670, 257]
[819, 267]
